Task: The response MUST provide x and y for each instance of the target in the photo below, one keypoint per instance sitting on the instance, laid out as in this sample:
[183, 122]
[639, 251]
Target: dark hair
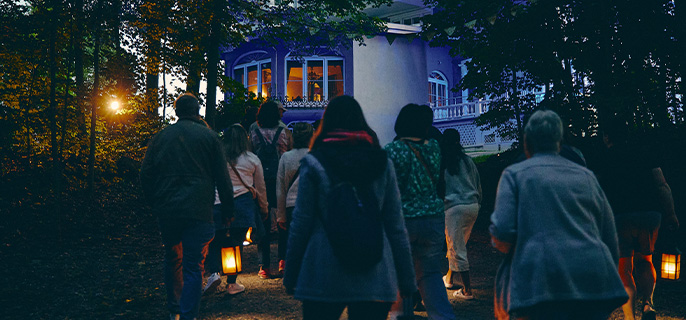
[302, 134]
[414, 121]
[452, 151]
[342, 113]
[268, 116]
[236, 142]
[249, 117]
[187, 105]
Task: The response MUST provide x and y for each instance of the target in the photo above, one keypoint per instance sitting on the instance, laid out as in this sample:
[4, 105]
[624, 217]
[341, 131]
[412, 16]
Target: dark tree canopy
[586, 59]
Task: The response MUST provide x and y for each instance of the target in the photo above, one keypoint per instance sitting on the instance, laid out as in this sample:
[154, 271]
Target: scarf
[349, 137]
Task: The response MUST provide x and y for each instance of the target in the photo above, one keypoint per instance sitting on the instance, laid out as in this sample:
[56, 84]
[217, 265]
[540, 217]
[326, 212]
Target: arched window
[438, 90]
[314, 78]
[254, 71]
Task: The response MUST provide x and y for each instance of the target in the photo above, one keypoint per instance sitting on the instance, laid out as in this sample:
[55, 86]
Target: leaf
[390, 38]
[470, 24]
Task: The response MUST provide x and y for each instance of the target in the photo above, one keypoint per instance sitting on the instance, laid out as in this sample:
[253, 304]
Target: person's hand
[264, 215]
[283, 225]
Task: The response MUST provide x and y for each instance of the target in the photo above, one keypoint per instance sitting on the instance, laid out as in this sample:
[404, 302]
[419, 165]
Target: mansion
[388, 72]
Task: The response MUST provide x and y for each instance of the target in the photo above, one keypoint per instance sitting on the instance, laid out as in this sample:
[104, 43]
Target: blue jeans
[427, 237]
[185, 245]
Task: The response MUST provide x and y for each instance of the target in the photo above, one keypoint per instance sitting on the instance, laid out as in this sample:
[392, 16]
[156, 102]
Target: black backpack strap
[275, 140]
[295, 177]
[260, 136]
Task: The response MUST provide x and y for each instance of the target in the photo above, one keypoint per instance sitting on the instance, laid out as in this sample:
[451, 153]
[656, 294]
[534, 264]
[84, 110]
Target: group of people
[572, 240]
[417, 195]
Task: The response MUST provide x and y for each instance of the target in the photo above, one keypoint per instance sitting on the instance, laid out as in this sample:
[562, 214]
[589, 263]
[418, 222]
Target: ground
[74, 258]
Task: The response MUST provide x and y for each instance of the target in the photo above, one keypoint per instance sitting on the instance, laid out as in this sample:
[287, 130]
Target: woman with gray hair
[555, 225]
[287, 184]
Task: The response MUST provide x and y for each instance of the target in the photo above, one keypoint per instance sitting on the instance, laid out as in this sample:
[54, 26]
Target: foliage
[50, 51]
[589, 58]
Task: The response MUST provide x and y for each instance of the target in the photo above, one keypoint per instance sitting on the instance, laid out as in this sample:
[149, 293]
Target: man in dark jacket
[182, 166]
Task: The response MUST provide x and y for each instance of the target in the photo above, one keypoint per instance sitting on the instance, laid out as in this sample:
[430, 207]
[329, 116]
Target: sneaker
[460, 295]
[264, 273]
[212, 283]
[234, 288]
[447, 283]
[648, 312]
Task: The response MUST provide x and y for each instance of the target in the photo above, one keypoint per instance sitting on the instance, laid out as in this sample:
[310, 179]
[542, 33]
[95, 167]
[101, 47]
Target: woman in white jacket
[248, 184]
[287, 184]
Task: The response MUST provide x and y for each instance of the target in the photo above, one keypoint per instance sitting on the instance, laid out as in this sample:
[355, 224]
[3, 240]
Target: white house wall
[387, 77]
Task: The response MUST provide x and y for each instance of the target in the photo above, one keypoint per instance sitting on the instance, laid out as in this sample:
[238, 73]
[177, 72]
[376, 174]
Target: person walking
[417, 162]
[462, 203]
[641, 200]
[249, 191]
[270, 139]
[556, 227]
[345, 151]
[183, 165]
[287, 185]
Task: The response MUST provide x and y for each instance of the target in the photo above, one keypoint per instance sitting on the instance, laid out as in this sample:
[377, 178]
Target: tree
[197, 30]
[590, 59]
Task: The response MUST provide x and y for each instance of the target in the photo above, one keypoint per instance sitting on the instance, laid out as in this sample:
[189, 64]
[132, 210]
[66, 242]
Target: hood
[357, 164]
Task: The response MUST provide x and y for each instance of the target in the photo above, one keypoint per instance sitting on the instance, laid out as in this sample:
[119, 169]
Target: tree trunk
[94, 104]
[53, 102]
[194, 72]
[212, 65]
[152, 81]
[78, 67]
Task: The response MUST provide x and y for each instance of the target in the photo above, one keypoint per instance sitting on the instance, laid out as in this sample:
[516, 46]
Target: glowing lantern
[231, 260]
[671, 264]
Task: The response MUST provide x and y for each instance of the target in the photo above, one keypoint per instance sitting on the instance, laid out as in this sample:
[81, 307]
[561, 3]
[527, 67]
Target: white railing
[452, 111]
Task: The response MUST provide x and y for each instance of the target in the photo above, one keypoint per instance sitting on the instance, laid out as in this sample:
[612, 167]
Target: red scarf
[349, 137]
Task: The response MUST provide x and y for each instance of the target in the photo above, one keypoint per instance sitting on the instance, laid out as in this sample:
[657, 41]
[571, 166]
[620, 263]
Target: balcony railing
[452, 110]
[304, 104]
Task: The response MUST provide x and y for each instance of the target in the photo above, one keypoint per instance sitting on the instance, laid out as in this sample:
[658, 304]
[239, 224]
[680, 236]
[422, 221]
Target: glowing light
[231, 260]
[114, 105]
[671, 266]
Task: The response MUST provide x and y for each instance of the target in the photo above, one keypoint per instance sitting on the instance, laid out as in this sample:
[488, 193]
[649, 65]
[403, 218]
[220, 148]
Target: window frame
[260, 83]
[325, 77]
[437, 83]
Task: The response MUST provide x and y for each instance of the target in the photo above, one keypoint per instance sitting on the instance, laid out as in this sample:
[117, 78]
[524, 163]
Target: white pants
[459, 221]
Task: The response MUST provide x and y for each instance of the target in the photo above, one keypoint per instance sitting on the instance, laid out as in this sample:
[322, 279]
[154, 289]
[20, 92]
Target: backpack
[269, 154]
[352, 223]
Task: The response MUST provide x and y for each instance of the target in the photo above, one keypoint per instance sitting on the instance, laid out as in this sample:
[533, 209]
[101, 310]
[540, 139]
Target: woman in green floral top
[417, 162]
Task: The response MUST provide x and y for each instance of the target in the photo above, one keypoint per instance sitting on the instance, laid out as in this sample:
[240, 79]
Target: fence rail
[453, 111]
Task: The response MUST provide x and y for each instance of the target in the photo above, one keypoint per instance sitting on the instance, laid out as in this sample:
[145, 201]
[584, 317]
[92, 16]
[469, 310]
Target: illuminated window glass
[335, 78]
[294, 82]
[324, 78]
[315, 80]
[254, 74]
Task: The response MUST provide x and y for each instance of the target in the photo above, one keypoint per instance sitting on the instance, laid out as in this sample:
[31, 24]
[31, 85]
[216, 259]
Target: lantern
[671, 264]
[231, 260]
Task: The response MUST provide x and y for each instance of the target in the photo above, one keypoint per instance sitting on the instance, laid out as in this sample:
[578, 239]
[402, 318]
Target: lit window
[438, 90]
[314, 79]
[255, 73]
